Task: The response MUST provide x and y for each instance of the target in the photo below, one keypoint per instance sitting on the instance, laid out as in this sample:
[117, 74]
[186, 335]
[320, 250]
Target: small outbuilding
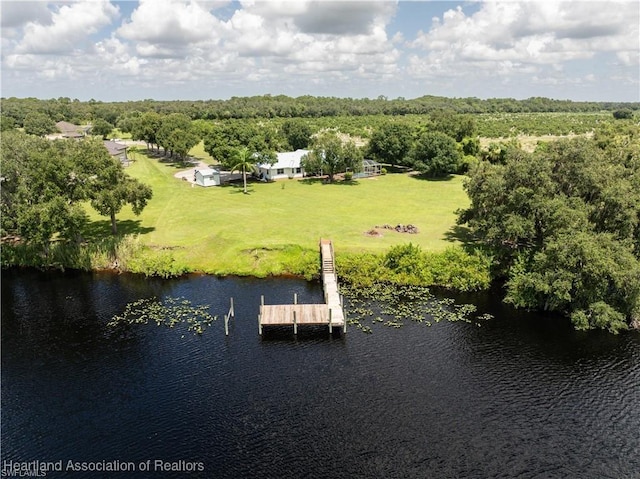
[207, 177]
[288, 165]
[369, 168]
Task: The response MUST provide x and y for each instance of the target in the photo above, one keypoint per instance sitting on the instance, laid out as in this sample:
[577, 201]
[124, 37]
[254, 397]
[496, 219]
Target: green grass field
[223, 231]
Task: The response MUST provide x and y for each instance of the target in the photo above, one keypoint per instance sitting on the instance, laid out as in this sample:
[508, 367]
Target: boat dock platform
[330, 313]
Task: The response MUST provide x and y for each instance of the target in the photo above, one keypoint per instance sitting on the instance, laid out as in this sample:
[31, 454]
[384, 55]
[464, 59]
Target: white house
[207, 177]
[287, 166]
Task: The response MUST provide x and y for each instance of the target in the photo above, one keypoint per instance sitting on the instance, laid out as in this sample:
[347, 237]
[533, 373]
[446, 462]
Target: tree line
[16, 110]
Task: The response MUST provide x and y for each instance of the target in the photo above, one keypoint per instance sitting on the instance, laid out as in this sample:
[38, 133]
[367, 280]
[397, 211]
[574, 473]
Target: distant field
[221, 230]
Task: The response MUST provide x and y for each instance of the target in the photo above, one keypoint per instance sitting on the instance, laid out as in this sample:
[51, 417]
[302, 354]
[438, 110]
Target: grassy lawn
[199, 153]
[221, 230]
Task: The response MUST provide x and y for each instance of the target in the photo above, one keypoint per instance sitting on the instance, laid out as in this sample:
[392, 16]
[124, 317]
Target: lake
[523, 395]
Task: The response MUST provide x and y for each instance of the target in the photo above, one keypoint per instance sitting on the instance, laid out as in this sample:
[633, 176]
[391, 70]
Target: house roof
[287, 159]
[207, 172]
[113, 147]
[69, 129]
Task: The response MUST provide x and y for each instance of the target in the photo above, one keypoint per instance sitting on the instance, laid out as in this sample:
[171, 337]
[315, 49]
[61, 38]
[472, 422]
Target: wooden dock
[329, 313]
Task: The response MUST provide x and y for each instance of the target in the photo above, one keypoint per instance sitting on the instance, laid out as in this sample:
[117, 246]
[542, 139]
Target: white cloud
[165, 28]
[70, 26]
[344, 48]
[540, 33]
[16, 14]
[303, 34]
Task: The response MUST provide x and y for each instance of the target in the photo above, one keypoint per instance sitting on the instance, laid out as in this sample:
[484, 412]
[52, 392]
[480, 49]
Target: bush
[152, 262]
[407, 264]
[624, 114]
[348, 176]
[466, 163]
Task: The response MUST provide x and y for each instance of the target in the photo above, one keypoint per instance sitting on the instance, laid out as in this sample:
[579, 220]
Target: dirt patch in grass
[373, 233]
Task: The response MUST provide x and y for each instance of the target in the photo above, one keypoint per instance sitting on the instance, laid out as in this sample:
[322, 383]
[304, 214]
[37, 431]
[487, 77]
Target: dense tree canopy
[391, 143]
[455, 125]
[564, 225]
[280, 106]
[39, 124]
[298, 133]
[224, 140]
[331, 155]
[176, 135]
[435, 154]
[44, 182]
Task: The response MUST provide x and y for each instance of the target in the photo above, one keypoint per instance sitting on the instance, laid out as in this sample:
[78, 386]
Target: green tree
[126, 121]
[563, 227]
[329, 156]
[101, 128]
[7, 123]
[435, 154]
[167, 138]
[110, 188]
[181, 141]
[146, 128]
[45, 182]
[455, 125]
[244, 161]
[39, 124]
[226, 138]
[573, 272]
[124, 190]
[41, 188]
[391, 143]
[623, 114]
[298, 133]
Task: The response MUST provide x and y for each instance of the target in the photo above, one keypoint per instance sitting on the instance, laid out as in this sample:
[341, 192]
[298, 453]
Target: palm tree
[244, 160]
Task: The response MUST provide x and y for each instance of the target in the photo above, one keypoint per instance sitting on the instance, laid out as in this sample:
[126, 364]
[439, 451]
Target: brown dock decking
[329, 313]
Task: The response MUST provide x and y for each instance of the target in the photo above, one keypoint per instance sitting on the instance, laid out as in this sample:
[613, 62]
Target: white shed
[207, 177]
[287, 166]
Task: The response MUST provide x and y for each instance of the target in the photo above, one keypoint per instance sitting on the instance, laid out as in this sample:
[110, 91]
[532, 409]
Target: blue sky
[211, 49]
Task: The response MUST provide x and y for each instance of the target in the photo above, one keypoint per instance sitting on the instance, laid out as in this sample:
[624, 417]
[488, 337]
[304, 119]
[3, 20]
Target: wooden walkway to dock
[329, 313]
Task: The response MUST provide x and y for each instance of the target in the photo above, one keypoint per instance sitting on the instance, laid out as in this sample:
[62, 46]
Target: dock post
[295, 298]
[226, 325]
[295, 324]
[330, 328]
[260, 315]
[232, 312]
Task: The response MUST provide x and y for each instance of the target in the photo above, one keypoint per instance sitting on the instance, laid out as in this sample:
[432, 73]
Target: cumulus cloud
[70, 25]
[540, 33]
[321, 47]
[342, 18]
[16, 14]
[163, 28]
[305, 34]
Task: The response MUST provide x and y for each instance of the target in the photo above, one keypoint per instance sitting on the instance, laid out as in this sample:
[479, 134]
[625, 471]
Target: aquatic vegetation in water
[392, 305]
[168, 312]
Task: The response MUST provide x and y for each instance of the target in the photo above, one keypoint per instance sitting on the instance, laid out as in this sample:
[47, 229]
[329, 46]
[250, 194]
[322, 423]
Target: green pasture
[221, 230]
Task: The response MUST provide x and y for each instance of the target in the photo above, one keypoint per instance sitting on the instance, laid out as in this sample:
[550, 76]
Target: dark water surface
[522, 396]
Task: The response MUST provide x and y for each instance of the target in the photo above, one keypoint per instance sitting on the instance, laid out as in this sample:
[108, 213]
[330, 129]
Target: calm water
[522, 396]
